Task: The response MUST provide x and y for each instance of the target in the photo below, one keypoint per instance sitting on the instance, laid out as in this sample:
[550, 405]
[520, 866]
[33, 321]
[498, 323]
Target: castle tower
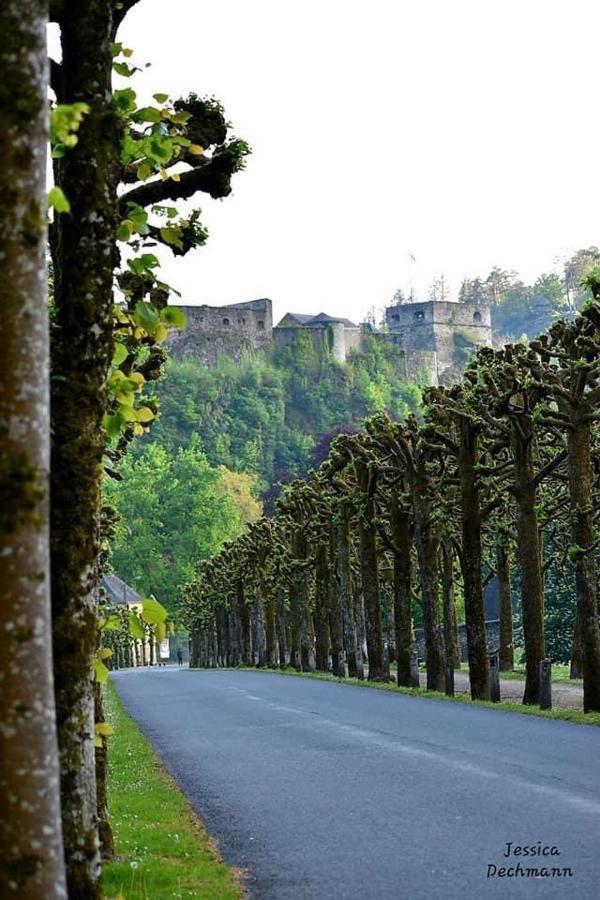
[452, 330]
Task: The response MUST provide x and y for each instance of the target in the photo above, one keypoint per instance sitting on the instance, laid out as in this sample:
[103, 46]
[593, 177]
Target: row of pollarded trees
[500, 470]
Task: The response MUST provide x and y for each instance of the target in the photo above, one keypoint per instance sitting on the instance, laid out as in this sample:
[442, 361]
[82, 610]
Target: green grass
[566, 715]
[162, 849]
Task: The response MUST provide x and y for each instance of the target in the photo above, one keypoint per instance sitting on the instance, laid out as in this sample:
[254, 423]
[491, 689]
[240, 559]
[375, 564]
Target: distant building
[451, 330]
[433, 338]
[214, 331]
[119, 593]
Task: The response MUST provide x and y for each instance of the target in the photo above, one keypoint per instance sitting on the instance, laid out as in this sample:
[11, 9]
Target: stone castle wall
[214, 331]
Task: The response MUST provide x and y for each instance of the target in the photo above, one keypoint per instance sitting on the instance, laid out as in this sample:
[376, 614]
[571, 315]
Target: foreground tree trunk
[31, 857]
[84, 257]
[107, 845]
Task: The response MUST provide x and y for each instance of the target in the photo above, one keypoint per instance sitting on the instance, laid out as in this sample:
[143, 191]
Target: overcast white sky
[460, 131]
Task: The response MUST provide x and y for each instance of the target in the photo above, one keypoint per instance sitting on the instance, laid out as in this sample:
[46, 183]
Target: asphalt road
[323, 791]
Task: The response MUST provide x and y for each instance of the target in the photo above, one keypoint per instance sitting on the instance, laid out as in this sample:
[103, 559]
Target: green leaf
[124, 100]
[58, 201]
[144, 263]
[120, 354]
[112, 424]
[172, 315]
[153, 612]
[135, 627]
[103, 729]
[124, 230]
[171, 234]
[160, 631]
[112, 623]
[143, 171]
[104, 653]
[145, 316]
[161, 98]
[147, 114]
[123, 69]
[101, 673]
[181, 118]
[144, 414]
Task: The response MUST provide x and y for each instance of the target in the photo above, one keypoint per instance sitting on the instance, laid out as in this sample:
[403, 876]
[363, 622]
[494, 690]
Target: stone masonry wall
[212, 331]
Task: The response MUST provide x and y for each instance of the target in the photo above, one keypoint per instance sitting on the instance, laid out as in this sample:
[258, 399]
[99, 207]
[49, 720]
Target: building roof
[117, 591]
[293, 320]
[322, 319]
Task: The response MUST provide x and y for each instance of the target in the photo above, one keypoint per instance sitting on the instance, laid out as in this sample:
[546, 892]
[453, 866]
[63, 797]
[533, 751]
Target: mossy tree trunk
[427, 555]
[270, 629]
[506, 650]
[471, 561]
[321, 617]
[31, 854]
[107, 846]
[451, 642]
[84, 257]
[529, 556]
[354, 655]
[282, 640]
[369, 568]
[244, 616]
[581, 482]
[335, 604]
[301, 598]
[403, 577]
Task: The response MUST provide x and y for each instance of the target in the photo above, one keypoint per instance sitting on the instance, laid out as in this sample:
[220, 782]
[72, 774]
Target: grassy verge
[162, 849]
[565, 715]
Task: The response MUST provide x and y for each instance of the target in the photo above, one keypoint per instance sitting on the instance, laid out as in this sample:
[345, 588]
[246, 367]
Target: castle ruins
[432, 338]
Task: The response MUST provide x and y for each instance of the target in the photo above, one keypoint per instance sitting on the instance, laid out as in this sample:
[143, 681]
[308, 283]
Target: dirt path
[564, 695]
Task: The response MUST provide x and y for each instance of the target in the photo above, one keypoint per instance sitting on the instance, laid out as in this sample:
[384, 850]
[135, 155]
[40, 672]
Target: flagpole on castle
[411, 261]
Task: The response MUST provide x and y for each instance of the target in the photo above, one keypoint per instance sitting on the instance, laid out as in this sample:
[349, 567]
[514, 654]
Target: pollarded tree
[569, 377]
[354, 453]
[455, 428]
[505, 397]
[31, 857]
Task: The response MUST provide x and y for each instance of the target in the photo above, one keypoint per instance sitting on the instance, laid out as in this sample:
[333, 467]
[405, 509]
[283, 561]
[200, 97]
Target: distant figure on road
[179, 656]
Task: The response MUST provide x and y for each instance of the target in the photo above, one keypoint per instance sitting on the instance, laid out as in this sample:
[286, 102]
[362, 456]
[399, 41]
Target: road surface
[323, 791]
